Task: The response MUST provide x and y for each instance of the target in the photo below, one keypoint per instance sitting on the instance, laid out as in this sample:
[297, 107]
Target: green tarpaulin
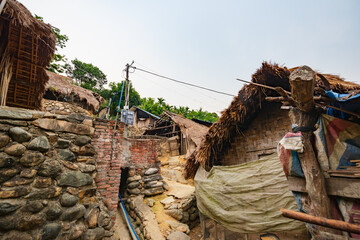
[247, 198]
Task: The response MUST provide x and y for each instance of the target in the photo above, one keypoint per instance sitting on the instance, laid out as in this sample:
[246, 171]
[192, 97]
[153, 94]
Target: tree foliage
[158, 106]
[58, 63]
[115, 88]
[86, 75]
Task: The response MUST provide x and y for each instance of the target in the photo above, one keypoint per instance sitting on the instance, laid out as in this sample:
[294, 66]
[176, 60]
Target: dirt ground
[195, 233]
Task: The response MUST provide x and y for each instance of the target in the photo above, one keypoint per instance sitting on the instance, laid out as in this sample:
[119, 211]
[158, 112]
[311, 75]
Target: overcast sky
[206, 42]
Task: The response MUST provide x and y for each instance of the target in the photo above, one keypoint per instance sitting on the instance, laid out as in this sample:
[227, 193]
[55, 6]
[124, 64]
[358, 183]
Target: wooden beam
[168, 126]
[316, 99]
[325, 222]
[342, 187]
[302, 82]
[265, 86]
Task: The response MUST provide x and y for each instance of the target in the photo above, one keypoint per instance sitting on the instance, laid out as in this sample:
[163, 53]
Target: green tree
[159, 106]
[86, 75]
[57, 64]
[134, 96]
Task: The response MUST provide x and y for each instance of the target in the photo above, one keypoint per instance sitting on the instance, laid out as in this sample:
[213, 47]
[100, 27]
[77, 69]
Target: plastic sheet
[247, 198]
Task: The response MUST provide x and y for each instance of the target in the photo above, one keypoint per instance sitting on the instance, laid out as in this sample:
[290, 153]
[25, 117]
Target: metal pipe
[130, 227]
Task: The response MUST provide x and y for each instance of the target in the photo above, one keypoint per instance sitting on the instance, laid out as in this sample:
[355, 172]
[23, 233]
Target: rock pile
[47, 167]
[184, 210]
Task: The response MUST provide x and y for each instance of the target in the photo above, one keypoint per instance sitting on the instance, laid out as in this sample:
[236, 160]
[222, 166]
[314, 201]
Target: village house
[238, 176]
[143, 119]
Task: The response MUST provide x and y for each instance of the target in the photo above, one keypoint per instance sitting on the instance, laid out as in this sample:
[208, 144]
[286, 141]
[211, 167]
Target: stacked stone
[136, 218]
[146, 182]
[46, 178]
[184, 210]
[150, 184]
[153, 183]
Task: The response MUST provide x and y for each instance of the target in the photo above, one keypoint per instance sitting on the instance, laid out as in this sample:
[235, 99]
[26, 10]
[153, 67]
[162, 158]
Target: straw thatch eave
[63, 87]
[27, 46]
[243, 109]
[19, 15]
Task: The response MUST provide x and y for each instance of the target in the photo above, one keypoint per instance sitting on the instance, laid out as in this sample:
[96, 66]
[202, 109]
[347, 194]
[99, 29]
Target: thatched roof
[27, 46]
[244, 108]
[64, 88]
[194, 131]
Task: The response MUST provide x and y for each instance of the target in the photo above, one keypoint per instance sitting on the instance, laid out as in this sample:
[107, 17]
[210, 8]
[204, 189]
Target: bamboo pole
[321, 221]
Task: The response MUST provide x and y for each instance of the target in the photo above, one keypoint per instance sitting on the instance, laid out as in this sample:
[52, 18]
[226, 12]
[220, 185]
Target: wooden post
[302, 82]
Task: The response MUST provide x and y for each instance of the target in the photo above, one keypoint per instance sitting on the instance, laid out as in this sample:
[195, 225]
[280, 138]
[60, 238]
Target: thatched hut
[184, 135]
[63, 89]
[27, 47]
[251, 121]
[239, 180]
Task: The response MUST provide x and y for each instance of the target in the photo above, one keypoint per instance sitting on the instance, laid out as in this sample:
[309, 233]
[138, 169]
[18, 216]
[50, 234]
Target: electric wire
[172, 90]
[193, 89]
[182, 82]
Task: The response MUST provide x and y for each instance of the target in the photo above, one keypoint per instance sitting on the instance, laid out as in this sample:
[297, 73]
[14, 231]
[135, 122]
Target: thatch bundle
[30, 45]
[243, 109]
[63, 88]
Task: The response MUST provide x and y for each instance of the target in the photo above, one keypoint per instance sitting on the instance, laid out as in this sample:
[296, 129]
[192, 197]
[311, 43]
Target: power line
[171, 90]
[192, 89]
[178, 81]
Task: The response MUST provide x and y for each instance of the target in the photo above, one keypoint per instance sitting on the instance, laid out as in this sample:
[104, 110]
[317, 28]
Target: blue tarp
[342, 103]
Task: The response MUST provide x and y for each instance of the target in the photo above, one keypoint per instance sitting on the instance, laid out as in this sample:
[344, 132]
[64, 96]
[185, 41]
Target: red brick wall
[127, 152]
[261, 137]
[143, 152]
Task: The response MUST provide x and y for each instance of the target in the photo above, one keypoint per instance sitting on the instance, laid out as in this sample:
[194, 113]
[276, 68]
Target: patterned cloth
[337, 142]
[288, 147]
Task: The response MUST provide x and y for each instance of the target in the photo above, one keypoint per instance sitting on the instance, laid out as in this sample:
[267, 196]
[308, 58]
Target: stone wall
[47, 167]
[65, 108]
[261, 137]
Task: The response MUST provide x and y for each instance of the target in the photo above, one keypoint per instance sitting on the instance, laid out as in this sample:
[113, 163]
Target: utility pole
[127, 86]
[127, 94]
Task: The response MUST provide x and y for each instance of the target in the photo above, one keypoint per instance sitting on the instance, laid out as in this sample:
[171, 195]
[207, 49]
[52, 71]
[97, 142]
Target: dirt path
[120, 227]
